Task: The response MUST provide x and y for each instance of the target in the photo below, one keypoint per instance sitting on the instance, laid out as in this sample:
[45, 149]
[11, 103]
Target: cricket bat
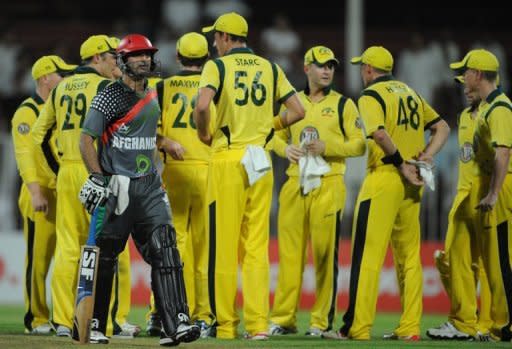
[86, 289]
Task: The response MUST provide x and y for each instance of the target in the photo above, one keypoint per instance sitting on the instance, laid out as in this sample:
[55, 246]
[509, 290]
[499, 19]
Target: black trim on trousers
[116, 327]
[211, 257]
[332, 310]
[357, 257]
[29, 317]
[506, 275]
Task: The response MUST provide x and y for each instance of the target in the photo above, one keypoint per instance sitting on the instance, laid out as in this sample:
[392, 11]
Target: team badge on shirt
[466, 152]
[328, 111]
[23, 128]
[308, 134]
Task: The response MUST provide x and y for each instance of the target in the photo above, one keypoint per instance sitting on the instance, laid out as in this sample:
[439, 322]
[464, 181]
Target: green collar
[85, 69]
[493, 95]
[188, 73]
[326, 90]
[37, 98]
[240, 50]
[387, 77]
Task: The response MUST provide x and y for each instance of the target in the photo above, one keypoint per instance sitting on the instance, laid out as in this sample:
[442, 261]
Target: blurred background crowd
[422, 36]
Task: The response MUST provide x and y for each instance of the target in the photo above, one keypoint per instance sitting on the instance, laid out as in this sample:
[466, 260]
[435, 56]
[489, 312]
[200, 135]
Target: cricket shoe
[277, 330]
[409, 338]
[204, 328]
[187, 333]
[337, 335]
[154, 325]
[314, 332]
[41, 329]
[126, 331]
[63, 331]
[98, 338]
[448, 331]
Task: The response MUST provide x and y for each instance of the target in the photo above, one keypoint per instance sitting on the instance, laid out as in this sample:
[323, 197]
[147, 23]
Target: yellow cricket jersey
[466, 131]
[43, 165]
[334, 120]
[494, 128]
[392, 105]
[66, 108]
[246, 87]
[177, 96]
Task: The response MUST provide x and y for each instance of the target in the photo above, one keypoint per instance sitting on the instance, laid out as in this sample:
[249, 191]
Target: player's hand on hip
[176, 150]
[411, 174]
[488, 202]
[94, 192]
[39, 202]
[293, 153]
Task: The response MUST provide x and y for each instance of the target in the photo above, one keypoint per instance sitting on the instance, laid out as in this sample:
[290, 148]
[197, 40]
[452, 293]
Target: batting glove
[94, 192]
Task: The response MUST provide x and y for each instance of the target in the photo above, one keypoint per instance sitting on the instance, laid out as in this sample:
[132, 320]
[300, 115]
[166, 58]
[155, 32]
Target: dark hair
[191, 62]
[490, 75]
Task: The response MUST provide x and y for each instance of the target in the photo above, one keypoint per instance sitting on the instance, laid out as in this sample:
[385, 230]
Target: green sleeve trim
[378, 98]
[274, 74]
[286, 96]
[89, 132]
[496, 105]
[341, 108]
[160, 94]
[431, 123]
[222, 74]
[31, 106]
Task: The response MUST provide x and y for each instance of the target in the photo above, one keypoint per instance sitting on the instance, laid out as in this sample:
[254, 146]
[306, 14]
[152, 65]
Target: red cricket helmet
[133, 43]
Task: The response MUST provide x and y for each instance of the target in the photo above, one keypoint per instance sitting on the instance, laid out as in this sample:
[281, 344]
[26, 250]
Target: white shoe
[127, 331]
[448, 331]
[314, 331]
[278, 330]
[63, 331]
[334, 334]
[187, 333]
[98, 338]
[42, 329]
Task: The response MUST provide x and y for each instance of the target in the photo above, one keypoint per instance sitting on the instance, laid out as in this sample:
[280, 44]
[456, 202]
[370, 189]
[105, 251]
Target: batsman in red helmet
[124, 191]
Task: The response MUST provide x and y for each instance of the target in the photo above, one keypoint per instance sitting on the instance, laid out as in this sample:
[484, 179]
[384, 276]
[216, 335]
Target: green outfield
[11, 336]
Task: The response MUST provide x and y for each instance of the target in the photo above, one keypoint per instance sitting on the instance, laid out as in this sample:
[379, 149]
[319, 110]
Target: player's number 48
[408, 113]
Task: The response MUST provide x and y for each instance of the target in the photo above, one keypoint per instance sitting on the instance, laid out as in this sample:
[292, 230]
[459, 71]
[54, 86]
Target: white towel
[426, 172]
[118, 186]
[256, 163]
[311, 169]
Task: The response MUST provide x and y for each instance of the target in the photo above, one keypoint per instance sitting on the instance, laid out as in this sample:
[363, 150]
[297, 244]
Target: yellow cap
[192, 45]
[50, 64]
[479, 60]
[376, 56]
[319, 55]
[231, 23]
[97, 44]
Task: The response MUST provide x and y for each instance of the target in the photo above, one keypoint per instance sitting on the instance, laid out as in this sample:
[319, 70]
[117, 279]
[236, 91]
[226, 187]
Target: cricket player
[244, 88]
[331, 130]
[388, 205]
[38, 169]
[65, 110]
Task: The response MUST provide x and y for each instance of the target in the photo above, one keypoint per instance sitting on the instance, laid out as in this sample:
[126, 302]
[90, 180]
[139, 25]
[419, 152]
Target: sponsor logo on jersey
[466, 152]
[134, 143]
[123, 128]
[23, 128]
[308, 134]
[327, 111]
[143, 163]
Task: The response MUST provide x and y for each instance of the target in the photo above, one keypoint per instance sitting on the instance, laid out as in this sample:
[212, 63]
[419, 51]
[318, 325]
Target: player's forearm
[501, 162]
[385, 142]
[439, 135]
[294, 111]
[89, 153]
[344, 149]
[279, 145]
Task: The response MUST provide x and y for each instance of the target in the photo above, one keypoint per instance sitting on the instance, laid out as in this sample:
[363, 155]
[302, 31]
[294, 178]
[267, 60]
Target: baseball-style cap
[50, 64]
[479, 59]
[231, 23]
[97, 44]
[319, 55]
[192, 45]
[376, 56]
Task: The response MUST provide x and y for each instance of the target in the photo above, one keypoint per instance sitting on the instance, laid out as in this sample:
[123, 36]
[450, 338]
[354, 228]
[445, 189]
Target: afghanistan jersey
[66, 108]
[176, 97]
[494, 128]
[124, 122]
[36, 164]
[246, 87]
[392, 105]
